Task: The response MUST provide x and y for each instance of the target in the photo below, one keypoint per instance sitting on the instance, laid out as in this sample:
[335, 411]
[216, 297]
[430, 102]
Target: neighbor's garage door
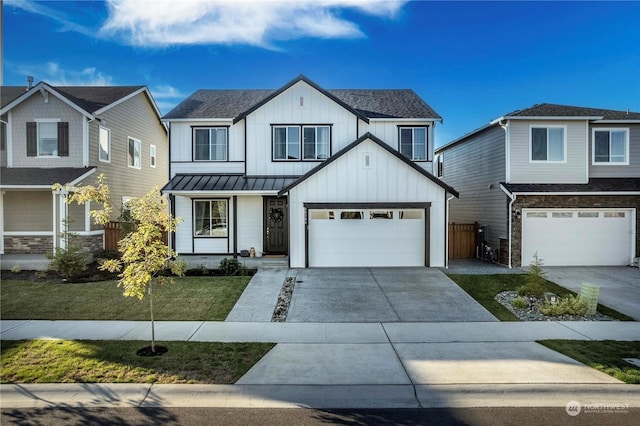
[367, 237]
[566, 237]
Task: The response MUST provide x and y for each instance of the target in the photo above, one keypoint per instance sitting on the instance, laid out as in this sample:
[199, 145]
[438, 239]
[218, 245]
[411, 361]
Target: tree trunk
[153, 332]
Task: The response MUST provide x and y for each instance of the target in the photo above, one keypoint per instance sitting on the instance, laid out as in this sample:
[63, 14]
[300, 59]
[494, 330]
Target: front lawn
[188, 299]
[483, 288]
[603, 355]
[67, 361]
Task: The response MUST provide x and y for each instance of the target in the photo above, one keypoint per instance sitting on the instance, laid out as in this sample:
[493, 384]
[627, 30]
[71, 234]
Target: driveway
[381, 295]
[619, 285]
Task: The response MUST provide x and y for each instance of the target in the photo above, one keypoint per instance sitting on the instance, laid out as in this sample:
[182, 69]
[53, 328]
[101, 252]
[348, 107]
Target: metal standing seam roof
[228, 183]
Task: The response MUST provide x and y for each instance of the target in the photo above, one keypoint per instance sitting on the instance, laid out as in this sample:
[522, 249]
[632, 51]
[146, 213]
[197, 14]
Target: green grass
[66, 361]
[603, 355]
[483, 288]
[188, 299]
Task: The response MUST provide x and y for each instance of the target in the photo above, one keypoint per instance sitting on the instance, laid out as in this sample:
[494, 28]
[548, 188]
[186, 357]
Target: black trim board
[376, 205]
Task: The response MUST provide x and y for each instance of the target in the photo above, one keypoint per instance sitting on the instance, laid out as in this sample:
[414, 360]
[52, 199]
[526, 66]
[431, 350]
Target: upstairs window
[152, 156]
[134, 153]
[104, 145]
[413, 143]
[610, 146]
[548, 144]
[210, 144]
[300, 142]
[47, 138]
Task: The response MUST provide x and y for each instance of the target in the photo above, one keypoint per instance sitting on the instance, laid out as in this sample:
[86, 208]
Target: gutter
[446, 231]
[513, 199]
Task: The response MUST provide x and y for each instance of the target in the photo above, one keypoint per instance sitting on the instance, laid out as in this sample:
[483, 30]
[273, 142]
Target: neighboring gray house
[559, 181]
[328, 177]
[70, 135]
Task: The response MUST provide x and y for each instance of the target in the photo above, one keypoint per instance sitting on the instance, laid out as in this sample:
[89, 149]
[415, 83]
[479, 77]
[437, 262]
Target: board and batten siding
[182, 149]
[137, 119]
[573, 170]
[388, 179]
[617, 171]
[35, 108]
[475, 169]
[316, 109]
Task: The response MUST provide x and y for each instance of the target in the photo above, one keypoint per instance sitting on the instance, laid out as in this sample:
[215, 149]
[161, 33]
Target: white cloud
[165, 91]
[54, 74]
[259, 23]
[39, 8]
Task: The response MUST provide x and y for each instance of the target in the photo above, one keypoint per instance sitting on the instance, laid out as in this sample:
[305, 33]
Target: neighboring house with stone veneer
[328, 177]
[70, 135]
[559, 181]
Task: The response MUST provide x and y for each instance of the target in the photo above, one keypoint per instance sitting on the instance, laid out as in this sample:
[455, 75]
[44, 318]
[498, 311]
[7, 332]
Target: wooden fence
[462, 240]
[113, 233]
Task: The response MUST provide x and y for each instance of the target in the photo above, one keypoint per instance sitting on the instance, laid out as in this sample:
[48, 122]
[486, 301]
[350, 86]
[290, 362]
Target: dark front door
[276, 225]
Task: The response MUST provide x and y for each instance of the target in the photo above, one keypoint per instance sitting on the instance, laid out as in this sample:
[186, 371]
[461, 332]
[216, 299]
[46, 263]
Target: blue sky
[471, 61]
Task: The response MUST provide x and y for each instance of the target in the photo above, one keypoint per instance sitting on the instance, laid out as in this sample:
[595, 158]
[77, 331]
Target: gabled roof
[566, 111]
[363, 103]
[88, 100]
[368, 136]
[33, 177]
[599, 185]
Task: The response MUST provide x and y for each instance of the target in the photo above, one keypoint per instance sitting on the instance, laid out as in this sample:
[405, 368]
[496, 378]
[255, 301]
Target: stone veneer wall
[29, 244]
[567, 201]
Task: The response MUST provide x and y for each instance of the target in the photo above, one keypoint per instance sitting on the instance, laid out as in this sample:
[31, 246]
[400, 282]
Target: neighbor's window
[413, 143]
[3, 135]
[48, 138]
[152, 156]
[286, 142]
[548, 144]
[210, 218]
[134, 153]
[104, 145]
[315, 142]
[210, 144]
[610, 146]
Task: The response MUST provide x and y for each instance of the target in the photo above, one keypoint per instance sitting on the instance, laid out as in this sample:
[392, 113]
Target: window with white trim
[210, 218]
[547, 144]
[104, 145]
[413, 143]
[610, 146]
[152, 156]
[134, 153]
[210, 144]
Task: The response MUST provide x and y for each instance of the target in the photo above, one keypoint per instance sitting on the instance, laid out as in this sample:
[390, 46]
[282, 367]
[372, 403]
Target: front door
[276, 225]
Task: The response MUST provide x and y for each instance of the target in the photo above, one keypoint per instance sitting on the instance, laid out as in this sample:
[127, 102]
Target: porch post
[63, 219]
[1, 222]
[54, 232]
[235, 226]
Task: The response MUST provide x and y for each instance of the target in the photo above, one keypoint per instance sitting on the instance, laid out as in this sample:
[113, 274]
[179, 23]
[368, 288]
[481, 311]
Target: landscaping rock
[532, 311]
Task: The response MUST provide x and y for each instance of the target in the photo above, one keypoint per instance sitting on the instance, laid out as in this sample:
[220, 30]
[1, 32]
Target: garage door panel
[367, 241]
[577, 237]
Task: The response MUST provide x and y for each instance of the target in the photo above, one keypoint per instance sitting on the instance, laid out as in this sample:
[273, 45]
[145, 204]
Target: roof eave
[44, 86]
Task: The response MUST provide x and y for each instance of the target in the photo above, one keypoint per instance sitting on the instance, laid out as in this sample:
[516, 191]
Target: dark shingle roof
[554, 110]
[369, 103]
[594, 185]
[33, 176]
[89, 98]
[214, 182]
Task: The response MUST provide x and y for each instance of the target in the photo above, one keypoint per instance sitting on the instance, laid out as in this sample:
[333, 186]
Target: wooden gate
[462, 240]
[112, 234]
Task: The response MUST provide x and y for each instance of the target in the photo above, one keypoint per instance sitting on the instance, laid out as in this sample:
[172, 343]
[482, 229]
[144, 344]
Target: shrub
[16, 269]
[519, 303]
[570, 305]
[179, 266]
[534, 281]
[107, 254]
[69, 262]
[231, 267]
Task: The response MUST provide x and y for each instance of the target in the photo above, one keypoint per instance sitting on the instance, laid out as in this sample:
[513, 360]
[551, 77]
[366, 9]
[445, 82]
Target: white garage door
[367, 237]
[566, 237]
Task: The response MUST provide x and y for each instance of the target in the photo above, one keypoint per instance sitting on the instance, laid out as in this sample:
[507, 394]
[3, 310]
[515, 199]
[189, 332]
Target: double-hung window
[210, 144]
[134, 153]
[548, 144]
[610, 146]
[104, 145]
[301, 142]
[413, 143]
[47, 138]
[210, 218]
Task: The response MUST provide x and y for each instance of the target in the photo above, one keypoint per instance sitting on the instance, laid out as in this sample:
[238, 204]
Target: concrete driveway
[381, 295]
[619, 285]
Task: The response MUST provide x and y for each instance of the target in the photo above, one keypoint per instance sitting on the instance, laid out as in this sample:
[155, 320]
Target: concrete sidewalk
[357, 365]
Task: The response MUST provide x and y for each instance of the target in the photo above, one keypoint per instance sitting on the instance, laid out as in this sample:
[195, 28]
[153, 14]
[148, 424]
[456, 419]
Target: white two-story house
[327, 177]
[70, 135]
[559, 181]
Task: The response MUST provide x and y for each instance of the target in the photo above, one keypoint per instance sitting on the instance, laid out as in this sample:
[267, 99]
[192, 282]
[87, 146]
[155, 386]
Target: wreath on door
[276, 215]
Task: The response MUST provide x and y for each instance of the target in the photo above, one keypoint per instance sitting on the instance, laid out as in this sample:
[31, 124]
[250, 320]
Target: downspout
[513, 200]
[446, 231]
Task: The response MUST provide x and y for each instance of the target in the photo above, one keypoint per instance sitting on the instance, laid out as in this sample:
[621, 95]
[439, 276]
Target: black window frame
[193, 143]
[426, 142]
[194, 211]
[301, 128]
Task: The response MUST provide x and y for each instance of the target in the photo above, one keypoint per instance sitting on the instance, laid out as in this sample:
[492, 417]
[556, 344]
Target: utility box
[590, 293]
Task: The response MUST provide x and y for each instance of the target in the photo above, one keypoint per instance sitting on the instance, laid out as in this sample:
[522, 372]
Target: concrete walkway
[354, 365]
